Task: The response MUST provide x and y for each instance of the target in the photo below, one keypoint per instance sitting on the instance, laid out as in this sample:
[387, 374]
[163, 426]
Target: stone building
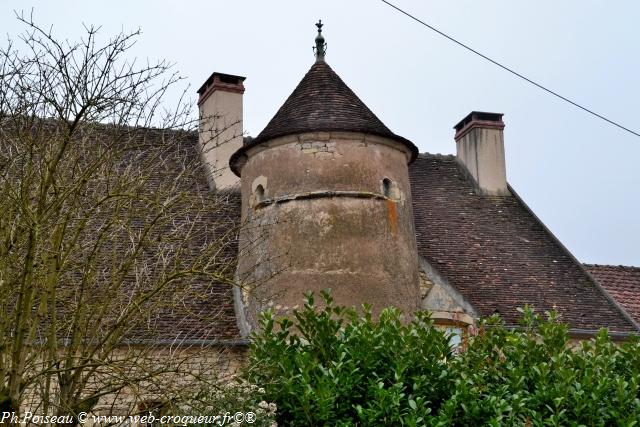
[327, 196]
[331, 198]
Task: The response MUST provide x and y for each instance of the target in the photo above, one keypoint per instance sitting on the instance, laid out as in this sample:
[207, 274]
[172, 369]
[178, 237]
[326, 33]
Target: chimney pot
[222, 82]
[478, 119]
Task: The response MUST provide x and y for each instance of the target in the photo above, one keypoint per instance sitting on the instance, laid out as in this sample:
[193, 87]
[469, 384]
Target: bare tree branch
[107, 229]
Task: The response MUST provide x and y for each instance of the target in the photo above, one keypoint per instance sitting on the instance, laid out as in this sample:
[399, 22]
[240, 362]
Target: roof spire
[321, 47]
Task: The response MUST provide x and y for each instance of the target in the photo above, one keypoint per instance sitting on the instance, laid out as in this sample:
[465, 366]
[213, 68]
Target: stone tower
[326, 203]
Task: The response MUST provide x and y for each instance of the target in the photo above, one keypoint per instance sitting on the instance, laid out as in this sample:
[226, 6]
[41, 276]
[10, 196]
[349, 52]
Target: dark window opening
[259, 193]
[386, 187]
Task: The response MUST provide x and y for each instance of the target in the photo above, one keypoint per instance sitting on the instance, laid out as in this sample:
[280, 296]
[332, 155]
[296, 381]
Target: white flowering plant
[232, 397]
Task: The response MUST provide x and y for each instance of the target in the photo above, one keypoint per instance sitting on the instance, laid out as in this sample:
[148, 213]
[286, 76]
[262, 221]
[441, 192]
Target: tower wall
[328, 210]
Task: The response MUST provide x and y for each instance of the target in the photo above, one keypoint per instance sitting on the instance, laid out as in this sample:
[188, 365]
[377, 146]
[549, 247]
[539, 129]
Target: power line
[575, 104]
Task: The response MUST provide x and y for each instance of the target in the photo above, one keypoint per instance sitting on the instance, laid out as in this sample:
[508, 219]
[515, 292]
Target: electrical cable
[575, 104]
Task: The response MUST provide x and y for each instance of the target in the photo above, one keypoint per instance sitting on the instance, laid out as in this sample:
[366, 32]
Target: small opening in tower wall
[386, 187]
[259, 193]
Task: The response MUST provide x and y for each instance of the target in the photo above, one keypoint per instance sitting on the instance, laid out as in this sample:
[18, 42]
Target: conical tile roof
[322, 102]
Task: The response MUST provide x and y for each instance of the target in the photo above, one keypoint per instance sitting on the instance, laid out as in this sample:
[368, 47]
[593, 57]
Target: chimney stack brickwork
[480, 148]
[220, 105]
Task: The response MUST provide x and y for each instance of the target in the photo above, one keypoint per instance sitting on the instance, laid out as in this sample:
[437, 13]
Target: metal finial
[321, 47]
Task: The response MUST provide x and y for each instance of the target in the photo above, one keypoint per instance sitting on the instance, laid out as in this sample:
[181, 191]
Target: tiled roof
[210, 314]
[323, 102]
[203, 313]
[623, 283]
[497, 254]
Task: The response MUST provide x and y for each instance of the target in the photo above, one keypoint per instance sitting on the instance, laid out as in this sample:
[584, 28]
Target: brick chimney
[480, 148]
[220, 104]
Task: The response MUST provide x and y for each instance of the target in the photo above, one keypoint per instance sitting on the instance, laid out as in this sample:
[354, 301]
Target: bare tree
[109, 242]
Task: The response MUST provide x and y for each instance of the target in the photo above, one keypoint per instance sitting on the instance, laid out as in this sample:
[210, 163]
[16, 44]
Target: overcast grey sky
[577, 173]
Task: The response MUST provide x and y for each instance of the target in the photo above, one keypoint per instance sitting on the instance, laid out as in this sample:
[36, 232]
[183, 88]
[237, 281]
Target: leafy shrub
[534, 376]
[338, 367]
[331, 367]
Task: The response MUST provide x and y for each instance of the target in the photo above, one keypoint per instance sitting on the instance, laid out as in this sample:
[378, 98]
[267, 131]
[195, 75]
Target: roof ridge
[616, 266]
[437, 156]
[610, 265]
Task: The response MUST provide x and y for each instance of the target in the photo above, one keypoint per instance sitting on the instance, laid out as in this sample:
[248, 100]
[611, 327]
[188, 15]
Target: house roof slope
[209, 316]
[193, 310]
[622, 282]
[498, 255]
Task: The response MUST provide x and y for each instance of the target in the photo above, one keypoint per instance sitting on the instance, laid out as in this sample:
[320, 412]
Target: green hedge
[343, 369]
